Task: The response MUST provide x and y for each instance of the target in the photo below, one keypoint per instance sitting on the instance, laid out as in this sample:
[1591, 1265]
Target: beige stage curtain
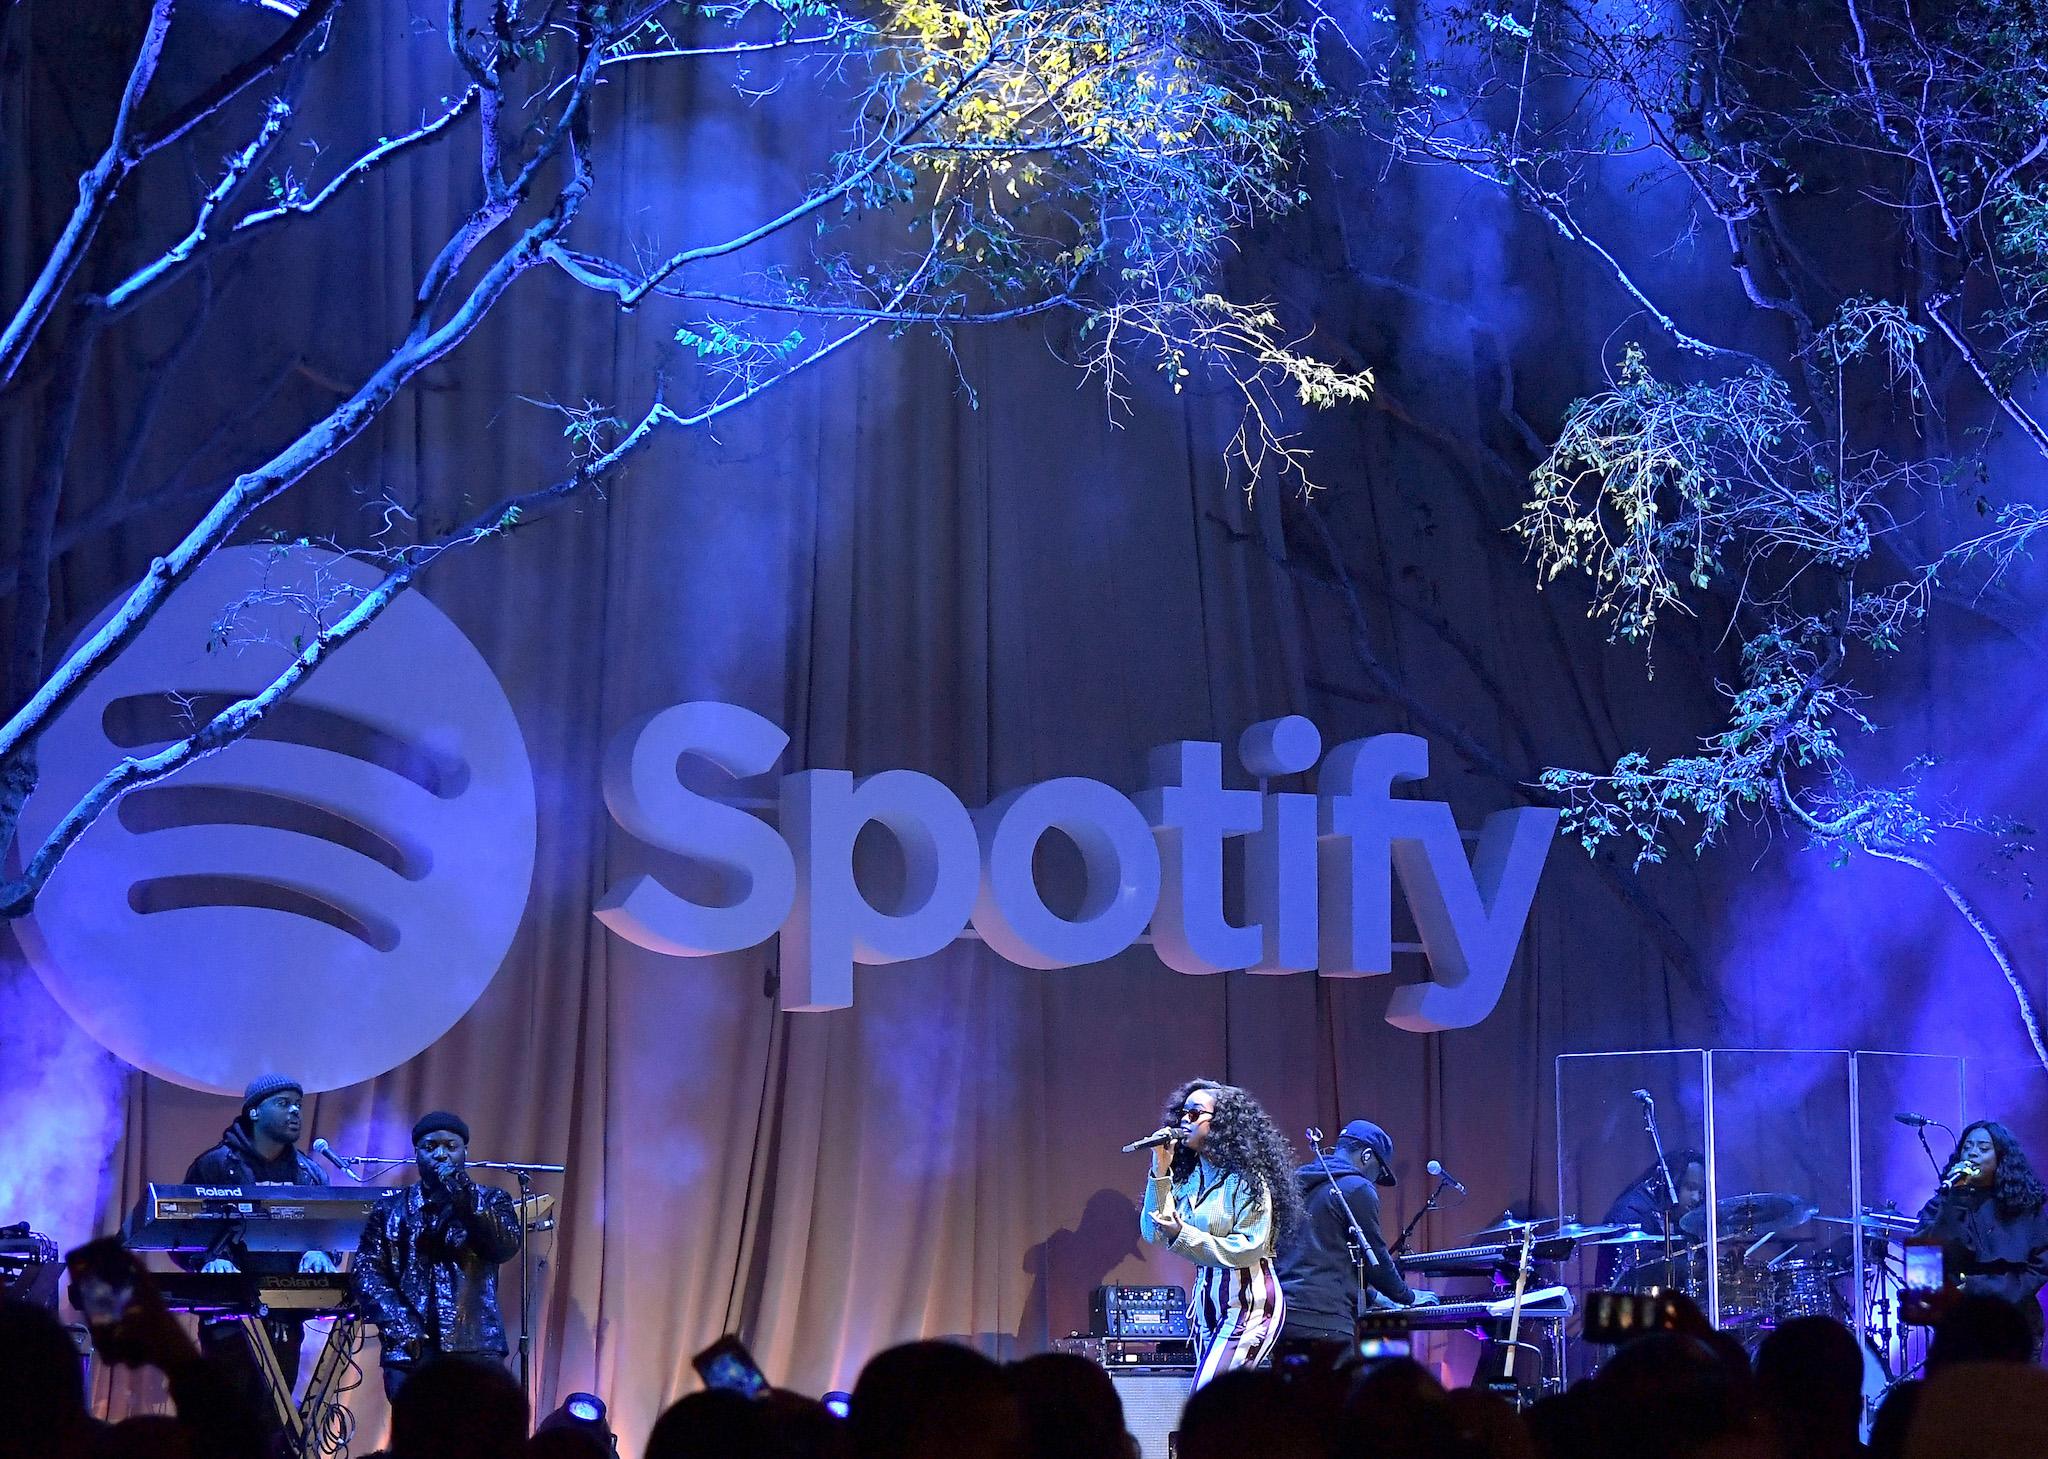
[994, 591]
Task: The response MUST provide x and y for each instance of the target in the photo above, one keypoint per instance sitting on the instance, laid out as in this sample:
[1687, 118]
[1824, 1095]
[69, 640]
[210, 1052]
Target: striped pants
[1237, 1317]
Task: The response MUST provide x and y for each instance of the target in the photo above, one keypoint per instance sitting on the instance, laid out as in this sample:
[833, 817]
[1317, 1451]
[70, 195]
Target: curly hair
[2019, 1191]
[1242, 1140]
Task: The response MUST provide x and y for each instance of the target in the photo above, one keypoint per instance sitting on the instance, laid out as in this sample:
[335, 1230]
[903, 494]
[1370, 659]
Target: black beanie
[440, 1119]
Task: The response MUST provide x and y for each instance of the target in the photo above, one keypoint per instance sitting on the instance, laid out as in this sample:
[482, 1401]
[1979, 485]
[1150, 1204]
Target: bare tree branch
[129, 146]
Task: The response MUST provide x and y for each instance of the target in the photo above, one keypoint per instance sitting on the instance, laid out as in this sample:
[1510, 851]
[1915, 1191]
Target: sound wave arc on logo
[327, 896]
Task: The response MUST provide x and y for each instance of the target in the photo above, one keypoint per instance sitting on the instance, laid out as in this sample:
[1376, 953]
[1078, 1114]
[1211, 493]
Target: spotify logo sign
[326, 897]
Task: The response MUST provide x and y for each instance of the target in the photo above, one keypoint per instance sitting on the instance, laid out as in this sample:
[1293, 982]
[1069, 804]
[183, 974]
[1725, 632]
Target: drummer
[1644, 1203]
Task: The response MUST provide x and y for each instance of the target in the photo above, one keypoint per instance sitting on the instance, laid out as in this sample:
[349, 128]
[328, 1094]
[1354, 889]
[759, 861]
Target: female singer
[1990, 1204]
[1223, 1196]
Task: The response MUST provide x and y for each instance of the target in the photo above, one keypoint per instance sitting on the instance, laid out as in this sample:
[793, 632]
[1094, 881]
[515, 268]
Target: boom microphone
[1164, 1135]
[326, 1152]
[1436, 1168]
[1915, 1121]
[1642, 1094]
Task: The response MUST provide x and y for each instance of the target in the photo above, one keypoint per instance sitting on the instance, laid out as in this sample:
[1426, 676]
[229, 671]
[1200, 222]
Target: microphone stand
[381, 1163]
[1401, 1246]
[1363, 1256]
[1920, 1130]
[1670, 1186]
[523, 1171]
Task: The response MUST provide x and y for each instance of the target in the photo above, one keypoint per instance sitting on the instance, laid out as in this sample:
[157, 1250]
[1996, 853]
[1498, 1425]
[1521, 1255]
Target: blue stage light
[584, 1411]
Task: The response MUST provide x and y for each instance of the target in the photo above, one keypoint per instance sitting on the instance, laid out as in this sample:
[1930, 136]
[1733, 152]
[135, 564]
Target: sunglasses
[1194, 1112]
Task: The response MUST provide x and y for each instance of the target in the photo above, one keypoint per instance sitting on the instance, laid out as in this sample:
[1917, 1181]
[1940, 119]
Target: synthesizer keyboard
[1479, 1260]
[261, 1217]
[256, 1294]
[1550, 1304]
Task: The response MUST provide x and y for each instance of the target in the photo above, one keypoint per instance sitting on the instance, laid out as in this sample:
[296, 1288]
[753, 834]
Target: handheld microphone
[1914, 1121]
[1436, 1168]
[1164, 1135]
[1958, 1173]
[326, 1152]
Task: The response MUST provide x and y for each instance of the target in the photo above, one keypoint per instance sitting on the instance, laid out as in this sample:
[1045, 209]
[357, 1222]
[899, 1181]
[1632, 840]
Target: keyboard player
[1319, 1268]
[260, 1147]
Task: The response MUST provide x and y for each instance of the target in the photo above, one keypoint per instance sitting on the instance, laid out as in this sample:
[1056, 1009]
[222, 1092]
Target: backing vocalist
[1224, 1197]
[427, 1265]
[1991, 1206]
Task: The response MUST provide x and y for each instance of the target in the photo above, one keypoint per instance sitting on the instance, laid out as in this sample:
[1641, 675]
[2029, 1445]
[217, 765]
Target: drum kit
[1767, 1271]
[1765, 1275]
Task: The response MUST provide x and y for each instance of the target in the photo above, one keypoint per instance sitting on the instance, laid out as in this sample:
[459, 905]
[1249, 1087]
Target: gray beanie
[264, 1085]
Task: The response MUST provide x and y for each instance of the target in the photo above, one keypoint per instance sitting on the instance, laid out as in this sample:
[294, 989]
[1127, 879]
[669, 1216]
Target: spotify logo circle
[326, 897]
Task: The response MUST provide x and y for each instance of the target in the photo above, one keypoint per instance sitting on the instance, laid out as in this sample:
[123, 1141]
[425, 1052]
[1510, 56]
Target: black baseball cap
[1375, 1139]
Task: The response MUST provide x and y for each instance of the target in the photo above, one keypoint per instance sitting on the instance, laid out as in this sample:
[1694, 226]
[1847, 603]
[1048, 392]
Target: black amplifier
[1139, 1312]
[1148, 1355]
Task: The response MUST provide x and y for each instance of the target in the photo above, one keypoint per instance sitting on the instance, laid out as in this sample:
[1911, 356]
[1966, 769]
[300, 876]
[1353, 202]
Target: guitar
[1515, 1304]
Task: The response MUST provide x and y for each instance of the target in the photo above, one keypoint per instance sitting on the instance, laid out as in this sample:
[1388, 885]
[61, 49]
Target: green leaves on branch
[1653, 486]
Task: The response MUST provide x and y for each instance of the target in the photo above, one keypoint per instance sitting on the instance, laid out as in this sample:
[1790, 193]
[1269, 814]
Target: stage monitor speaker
[1152, 1405]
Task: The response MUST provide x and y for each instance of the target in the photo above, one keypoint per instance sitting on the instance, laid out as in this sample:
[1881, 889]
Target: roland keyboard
[257, 1294]
[1550, 1304]
[260, 1217]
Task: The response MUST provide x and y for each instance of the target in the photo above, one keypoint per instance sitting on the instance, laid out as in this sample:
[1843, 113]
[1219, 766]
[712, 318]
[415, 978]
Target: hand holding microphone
[1161, 1143]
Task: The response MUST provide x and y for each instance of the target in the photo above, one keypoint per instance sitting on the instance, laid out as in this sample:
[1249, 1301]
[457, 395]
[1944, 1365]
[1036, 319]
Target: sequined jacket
[427, 1271]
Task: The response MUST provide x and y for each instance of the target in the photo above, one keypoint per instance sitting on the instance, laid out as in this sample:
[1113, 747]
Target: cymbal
[1749, 1216]
[535, 1209]
[1890, 1222]
[1508, 1224]
[1596, 1234]
[1633, 1237]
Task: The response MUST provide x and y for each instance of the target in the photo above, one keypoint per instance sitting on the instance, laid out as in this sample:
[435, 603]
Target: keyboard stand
[304, 1423]
[323, 1389]
[286, 1412]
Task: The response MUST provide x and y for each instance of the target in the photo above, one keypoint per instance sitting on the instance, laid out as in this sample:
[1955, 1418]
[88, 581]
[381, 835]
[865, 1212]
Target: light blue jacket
[1226, 1220]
